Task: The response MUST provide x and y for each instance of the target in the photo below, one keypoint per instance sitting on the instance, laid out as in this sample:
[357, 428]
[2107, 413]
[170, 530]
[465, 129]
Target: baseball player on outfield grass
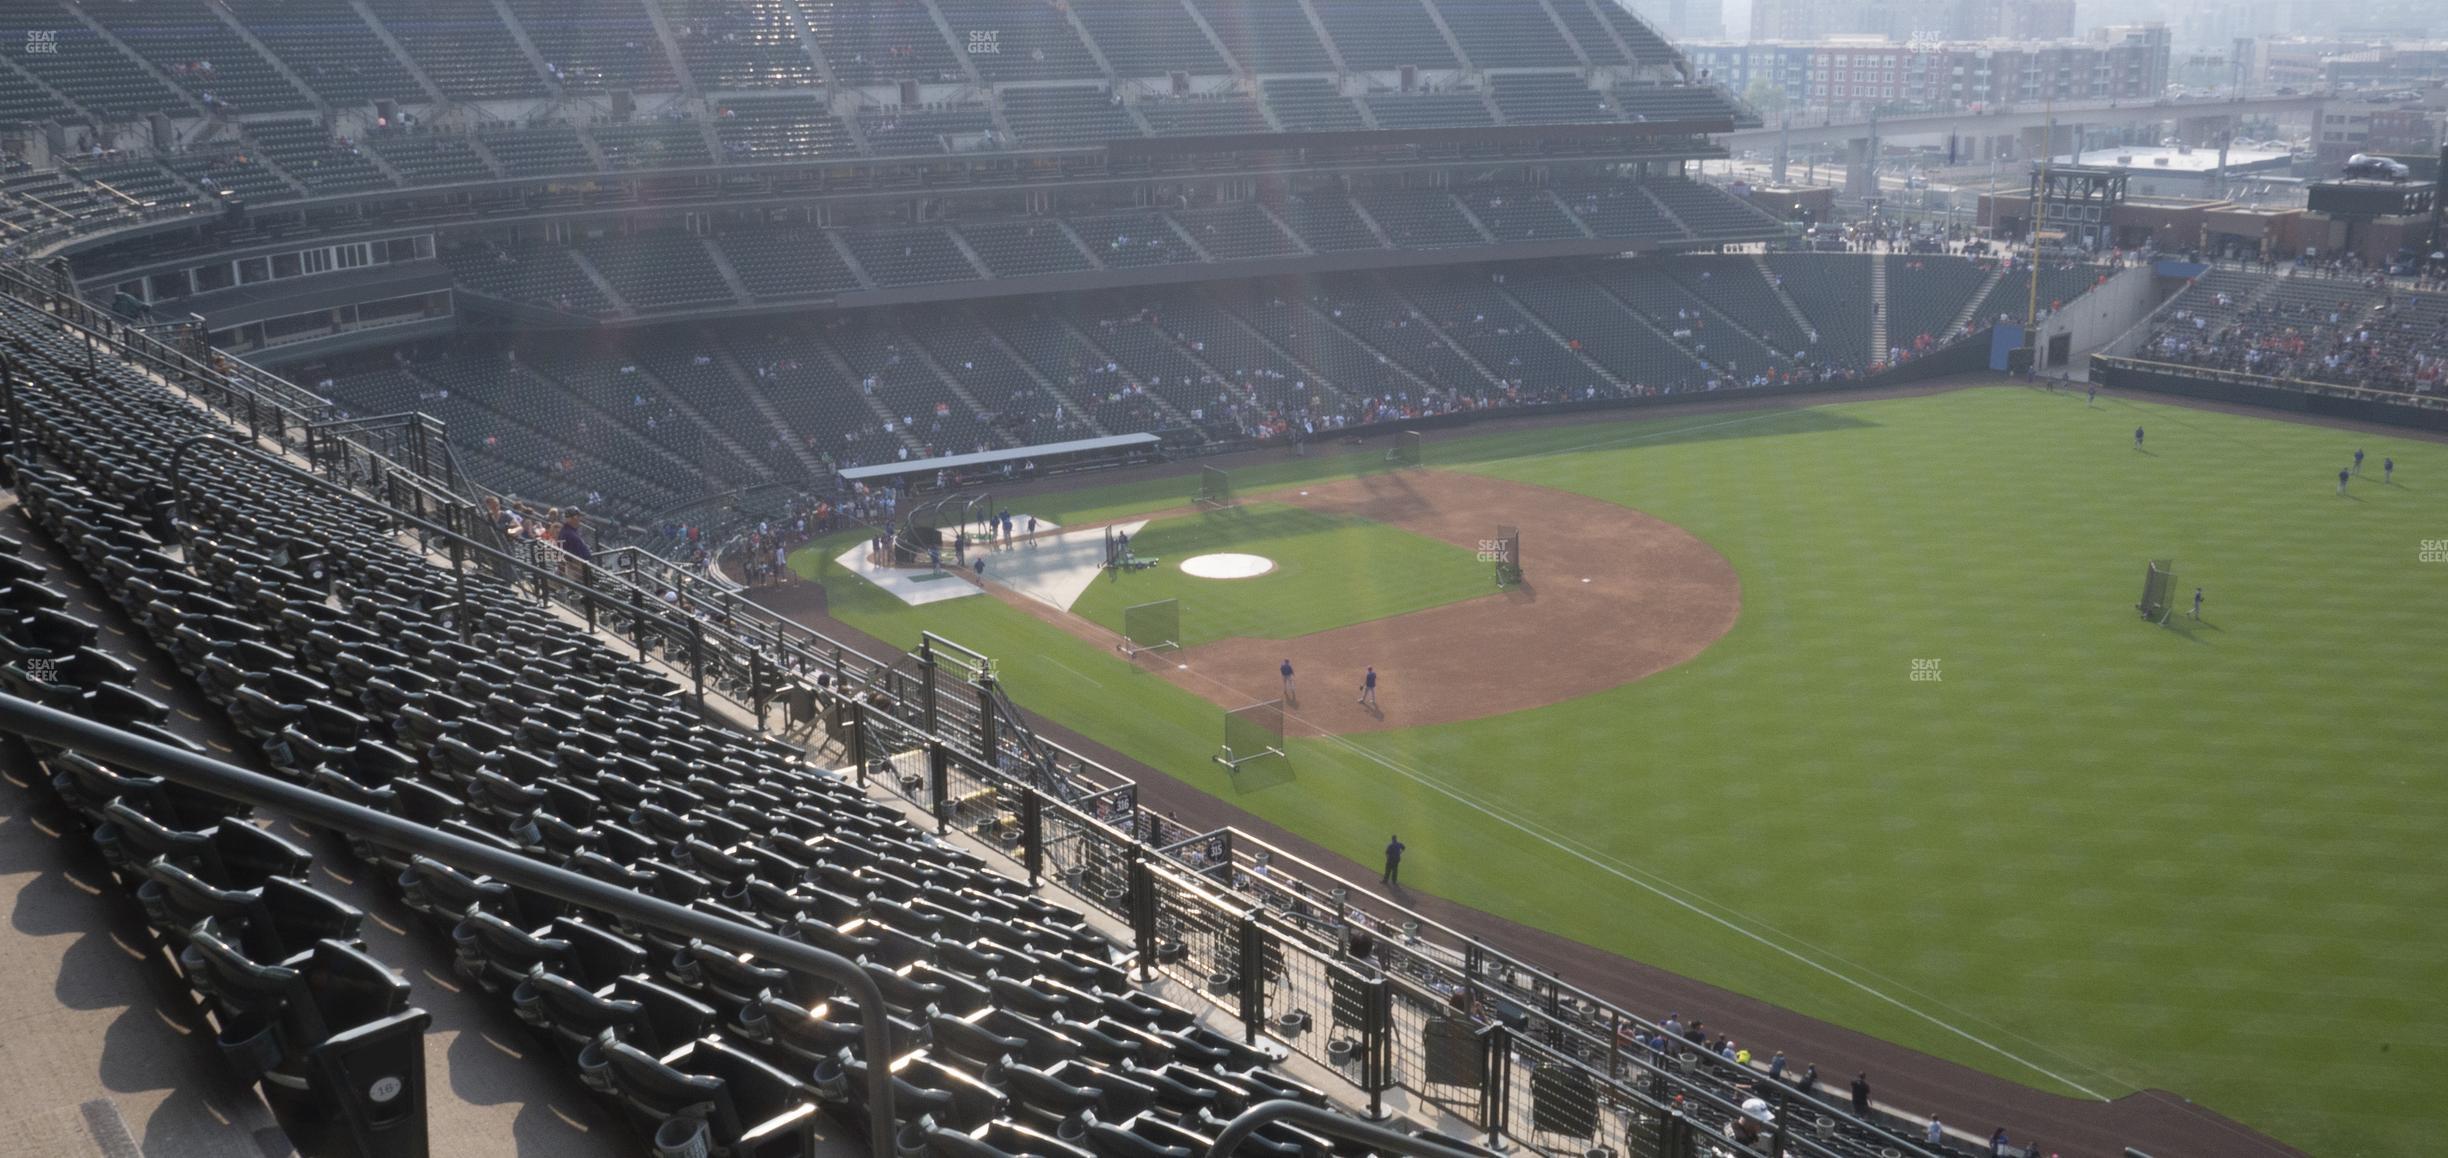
[2137, 438]
[1368, 688]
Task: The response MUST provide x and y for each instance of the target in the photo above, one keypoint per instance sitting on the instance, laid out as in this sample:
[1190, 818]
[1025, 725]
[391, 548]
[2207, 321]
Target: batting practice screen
[1151, 626]
[1252, 733]
[1215, 488]
[1506, 549]
[1406, 449]
[2157, 586]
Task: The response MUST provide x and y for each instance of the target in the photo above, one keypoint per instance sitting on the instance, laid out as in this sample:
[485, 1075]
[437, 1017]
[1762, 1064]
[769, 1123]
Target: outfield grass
[2096, 855]
[1309, 590]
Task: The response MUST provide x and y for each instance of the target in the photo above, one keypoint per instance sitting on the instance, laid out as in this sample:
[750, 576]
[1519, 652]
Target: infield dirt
[1611, 595]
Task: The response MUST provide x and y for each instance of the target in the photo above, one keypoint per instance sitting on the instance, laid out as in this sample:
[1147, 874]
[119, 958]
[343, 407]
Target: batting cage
[1505, 551]
[1120, 556]
[1252, 733]
[1215, 488]
[1151, 627]
[2158, 590]
[1406, 449]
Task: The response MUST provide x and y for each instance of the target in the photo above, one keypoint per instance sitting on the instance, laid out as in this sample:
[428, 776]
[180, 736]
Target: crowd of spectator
[2371, 333]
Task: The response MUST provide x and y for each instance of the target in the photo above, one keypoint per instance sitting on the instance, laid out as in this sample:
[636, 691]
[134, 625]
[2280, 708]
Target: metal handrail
[100, 741]
[2408, 399]
[1345, 1127]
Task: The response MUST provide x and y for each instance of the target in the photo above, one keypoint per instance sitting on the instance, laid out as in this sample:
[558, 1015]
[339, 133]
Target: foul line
[1612, 870]
[1074, 671]
[1777, 412]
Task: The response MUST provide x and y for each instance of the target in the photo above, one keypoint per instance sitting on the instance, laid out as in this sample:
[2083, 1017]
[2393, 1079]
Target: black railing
[105, 743]
[1380, 996]
[2268, 382]
[1308, 1117]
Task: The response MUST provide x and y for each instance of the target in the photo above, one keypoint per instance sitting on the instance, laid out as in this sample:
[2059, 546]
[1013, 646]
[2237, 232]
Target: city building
[2345, 130]
[2409, 65]
[1779, 65]
[1852, 75]
[1909, 20]
[2411, 128]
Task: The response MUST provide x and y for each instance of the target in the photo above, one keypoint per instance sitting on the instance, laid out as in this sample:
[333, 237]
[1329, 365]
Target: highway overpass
[2026, 124]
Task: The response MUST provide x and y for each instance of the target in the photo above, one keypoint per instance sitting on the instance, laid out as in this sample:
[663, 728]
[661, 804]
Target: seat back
[655, 1090]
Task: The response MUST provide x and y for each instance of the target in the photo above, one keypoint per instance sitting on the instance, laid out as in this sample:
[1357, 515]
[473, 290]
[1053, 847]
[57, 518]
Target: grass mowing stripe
[1668, 890]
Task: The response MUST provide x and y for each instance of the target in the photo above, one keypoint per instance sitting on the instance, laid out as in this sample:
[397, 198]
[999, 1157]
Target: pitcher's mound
[1227, 566]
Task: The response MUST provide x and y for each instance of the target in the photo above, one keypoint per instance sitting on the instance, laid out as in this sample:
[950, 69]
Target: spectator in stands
[1808, 1084]
[573, 542]
[1861, 1095]
[1937, 1132]
[1998, 1145]
[502, 520]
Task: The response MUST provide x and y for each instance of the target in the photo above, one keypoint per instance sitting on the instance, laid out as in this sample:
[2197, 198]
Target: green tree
[1768, 98]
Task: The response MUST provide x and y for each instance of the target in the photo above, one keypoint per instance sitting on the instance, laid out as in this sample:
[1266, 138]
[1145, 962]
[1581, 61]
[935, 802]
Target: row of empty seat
[625, 421]
[653, 271]
[254, 56]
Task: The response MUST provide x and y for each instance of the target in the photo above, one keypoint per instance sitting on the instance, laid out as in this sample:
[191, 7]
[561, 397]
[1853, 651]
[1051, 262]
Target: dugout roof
[991, 458]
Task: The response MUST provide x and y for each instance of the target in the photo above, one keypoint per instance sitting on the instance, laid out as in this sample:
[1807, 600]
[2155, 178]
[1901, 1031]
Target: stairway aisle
[1878, 309]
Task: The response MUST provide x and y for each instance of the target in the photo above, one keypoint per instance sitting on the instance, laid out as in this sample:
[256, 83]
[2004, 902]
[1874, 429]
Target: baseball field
[1847, 708]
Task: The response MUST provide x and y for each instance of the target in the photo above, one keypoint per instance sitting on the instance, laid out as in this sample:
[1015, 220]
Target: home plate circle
[1227, 566]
